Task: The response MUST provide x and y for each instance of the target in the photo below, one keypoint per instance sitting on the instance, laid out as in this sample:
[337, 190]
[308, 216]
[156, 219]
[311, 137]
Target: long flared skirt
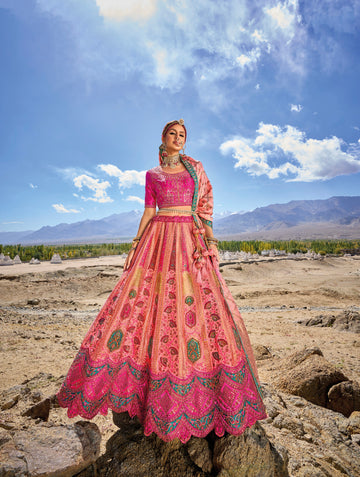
[169, 345]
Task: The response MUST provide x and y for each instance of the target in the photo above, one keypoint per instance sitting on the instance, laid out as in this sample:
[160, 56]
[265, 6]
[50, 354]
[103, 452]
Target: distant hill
[114, 226]
[337, 217]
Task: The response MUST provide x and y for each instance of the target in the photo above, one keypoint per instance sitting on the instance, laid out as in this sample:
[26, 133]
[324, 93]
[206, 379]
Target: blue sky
[269, 91]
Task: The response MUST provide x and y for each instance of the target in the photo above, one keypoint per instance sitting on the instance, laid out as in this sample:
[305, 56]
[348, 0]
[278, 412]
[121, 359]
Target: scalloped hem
[224, 400]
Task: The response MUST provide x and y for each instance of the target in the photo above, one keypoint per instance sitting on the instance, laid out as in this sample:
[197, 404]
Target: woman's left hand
[214, 248]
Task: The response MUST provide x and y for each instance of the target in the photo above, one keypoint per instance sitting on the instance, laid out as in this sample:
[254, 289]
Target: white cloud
[257, 86]
[296, 108]
[126, 178]
[180, 41]
[249, 59]
[134, 198]
[12, 222]
[63, 210]
[32, 186]
[120, 10]
[95, 185]
[69, 173]
[285, 14]
[287, 152]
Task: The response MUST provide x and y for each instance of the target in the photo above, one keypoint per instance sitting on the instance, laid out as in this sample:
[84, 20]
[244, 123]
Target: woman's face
[174, 139]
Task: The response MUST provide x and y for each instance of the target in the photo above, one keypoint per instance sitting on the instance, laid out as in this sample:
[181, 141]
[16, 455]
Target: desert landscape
[46, 309]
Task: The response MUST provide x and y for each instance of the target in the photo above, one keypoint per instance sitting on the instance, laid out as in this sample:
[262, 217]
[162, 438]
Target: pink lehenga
[169, 344]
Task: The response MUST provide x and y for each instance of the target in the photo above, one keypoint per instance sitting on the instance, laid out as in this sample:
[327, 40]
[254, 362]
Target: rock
[353, 426]
[200, 453]
[300, 356]
[4, 437]
[250, 454]
[50, 450]
[261, 352]
[347, 320]
[40, 410]
[292, 424]
[11, 396]
[129, 453]
[56, 258]
[309, 375]
[36, 396]
[8, 425]
[33, 301]
[344, 397]
[320, 320]
[326, 448]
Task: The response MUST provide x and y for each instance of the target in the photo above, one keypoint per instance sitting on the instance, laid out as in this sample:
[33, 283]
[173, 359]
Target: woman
[169, 344]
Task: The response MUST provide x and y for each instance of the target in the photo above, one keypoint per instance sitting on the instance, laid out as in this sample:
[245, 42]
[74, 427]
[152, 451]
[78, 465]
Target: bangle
[212, 239]
[136, 239]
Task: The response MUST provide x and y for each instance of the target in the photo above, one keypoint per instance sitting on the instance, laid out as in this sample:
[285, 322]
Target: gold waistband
[174, 212]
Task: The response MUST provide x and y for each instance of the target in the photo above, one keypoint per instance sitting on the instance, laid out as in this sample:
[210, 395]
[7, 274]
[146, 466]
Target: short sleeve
[150, 196]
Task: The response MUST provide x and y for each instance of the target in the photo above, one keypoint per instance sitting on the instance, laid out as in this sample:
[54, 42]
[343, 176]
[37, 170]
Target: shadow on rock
[131, 454]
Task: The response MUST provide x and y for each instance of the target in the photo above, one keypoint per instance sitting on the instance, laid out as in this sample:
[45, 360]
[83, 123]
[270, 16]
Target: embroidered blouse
[168, 190]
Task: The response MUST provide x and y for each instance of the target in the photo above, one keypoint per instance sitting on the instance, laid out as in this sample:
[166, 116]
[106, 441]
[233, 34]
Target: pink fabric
[164, 347]
[204, 200]
[168, 190]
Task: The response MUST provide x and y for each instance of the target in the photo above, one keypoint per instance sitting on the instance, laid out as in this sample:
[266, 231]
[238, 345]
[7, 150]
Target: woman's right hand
[129, 259]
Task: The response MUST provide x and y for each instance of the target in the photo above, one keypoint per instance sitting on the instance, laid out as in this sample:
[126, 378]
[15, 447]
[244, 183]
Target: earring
[183, 149]
[163, 153]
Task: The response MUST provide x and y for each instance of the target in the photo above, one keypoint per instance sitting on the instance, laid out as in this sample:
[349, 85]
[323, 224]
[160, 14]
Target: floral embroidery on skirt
[167, 347]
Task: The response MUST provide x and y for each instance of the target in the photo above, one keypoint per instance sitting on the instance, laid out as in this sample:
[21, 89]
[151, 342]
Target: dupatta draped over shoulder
[202, 203]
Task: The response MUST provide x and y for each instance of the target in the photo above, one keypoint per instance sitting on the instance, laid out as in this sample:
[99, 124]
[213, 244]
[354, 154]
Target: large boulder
[131, 454]
[347, 320]
[309, 375]
[250, 455]
[353, 426]
[49, 450]
[344, 397]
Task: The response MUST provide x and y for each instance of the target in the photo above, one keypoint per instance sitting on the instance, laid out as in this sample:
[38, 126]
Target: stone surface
[309, 375]
[200, 453]
[10, 397]
[50, 450]
[40, 410]
[353, 426]
[317, 440]
[130, 453]
[344, 397]
[250, 454]
[261, 352]
[348, 320]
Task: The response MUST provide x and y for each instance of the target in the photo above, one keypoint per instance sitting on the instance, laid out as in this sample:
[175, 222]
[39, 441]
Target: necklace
[171, 161]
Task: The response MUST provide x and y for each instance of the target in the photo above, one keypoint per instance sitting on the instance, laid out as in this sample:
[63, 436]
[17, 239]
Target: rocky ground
[287, 305]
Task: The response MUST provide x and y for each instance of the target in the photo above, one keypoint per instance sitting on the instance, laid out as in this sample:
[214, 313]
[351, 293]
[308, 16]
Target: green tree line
[45, 252]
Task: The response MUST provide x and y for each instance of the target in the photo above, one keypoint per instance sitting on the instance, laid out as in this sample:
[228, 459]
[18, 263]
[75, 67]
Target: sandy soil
[272, 294]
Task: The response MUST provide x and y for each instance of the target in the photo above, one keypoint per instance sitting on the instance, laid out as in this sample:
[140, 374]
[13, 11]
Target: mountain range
[337, 217]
